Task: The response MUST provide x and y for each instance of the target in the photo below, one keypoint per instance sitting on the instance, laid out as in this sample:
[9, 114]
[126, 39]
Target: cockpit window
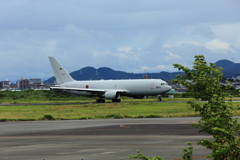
[164, 84]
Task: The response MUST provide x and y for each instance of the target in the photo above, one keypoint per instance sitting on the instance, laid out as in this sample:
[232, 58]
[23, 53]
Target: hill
[90, 73]
[230, 69]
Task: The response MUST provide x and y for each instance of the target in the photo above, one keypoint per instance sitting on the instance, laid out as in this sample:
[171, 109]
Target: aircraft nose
[167, 88]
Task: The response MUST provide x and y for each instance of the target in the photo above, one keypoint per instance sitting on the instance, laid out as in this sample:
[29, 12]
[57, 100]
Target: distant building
[23, 84]
[1, 85]
[6, 84]
[35, 83]
[236, 85]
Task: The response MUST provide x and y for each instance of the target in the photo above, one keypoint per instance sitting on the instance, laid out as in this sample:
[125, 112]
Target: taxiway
[107, 139]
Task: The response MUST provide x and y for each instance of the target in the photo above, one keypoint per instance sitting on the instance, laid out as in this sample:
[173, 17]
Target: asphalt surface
[108, 139]
[140, 129]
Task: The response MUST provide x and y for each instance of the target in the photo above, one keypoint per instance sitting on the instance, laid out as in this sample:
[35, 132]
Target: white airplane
[108, 89]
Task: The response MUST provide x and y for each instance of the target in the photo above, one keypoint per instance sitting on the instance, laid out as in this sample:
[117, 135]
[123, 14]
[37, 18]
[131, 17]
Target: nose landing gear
[159, 98]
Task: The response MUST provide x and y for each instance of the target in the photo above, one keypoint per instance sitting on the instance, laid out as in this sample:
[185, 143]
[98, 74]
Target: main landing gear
[103, 100]
[116, 100]
[100, 100]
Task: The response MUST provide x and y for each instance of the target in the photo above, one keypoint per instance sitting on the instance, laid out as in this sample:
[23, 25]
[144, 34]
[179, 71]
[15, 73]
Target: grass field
[146, 108]
[131, 108]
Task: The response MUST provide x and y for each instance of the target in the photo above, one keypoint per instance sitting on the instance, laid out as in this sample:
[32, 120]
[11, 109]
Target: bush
[115, 115]
[47, 117]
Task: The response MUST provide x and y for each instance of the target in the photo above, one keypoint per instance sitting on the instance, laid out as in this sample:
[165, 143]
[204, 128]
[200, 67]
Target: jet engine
[112, 95]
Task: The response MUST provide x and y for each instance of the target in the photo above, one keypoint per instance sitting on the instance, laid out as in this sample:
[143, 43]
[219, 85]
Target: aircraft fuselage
[138, 87]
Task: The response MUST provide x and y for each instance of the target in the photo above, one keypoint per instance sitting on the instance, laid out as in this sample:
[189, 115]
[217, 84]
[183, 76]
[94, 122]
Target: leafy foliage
[141, 156]
[203, 83]
[188, 152]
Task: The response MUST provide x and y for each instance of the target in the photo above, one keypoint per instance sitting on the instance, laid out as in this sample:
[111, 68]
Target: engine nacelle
[112, 95]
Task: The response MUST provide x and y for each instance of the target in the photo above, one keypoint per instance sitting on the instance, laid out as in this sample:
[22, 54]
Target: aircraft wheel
[116, 100]
[159, 98]
[100, 100]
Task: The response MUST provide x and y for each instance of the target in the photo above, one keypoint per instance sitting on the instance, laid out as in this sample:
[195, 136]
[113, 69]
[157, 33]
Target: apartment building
[23, 84]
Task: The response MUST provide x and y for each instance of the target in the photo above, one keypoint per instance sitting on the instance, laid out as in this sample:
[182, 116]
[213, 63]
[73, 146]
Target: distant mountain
[90, 73]
[230, 69]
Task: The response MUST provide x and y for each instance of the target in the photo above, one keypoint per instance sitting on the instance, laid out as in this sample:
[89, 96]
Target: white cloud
[172, 56]
[126, 52]
[171, 44]
[214, 45]
[162, 67]
[125, 49]
[93, 33]
[101, 53]
[229, 32]
[218, 46]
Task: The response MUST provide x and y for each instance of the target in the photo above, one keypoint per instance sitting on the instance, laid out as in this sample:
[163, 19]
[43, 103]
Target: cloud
[101, 53]
[126, 52]
[158, 68]
[218, 46]
[228, 32]
[172, 56]
[125, 49]
[171, 44]
[214, 45]
[123, 35]
[203, 30]
[123, 53]
[165, 67]
[71, 29]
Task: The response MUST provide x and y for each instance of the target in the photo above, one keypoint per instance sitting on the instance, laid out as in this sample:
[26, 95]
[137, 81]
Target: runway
[108, 139]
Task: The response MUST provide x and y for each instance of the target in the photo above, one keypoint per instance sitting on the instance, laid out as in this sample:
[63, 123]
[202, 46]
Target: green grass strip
[138, 109]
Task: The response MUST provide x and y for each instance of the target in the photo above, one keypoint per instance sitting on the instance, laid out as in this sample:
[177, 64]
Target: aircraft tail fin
[61, 75]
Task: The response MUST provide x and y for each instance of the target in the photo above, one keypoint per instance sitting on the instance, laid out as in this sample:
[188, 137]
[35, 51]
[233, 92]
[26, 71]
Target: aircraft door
[152, 85]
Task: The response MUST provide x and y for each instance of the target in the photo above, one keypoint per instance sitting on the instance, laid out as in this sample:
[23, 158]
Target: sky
[135, 36]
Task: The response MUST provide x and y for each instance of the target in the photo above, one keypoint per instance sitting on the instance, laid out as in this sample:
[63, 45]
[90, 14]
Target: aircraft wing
[84, 89]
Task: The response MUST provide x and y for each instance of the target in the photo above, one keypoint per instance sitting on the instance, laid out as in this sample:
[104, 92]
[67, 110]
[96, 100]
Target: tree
[203, 83]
